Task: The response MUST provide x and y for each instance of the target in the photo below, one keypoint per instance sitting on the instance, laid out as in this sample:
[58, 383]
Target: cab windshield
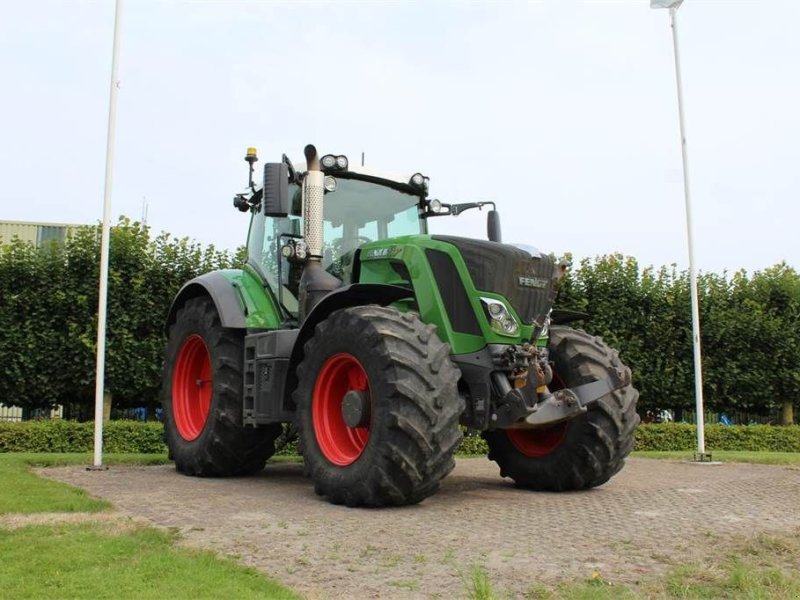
[359, 212]
[355, 213]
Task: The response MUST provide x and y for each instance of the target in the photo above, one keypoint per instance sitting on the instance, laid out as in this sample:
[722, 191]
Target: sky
[563, 112]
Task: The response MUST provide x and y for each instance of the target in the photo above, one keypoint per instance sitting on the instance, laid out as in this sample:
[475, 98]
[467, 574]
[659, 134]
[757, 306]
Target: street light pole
[100, 367]
[673, 6]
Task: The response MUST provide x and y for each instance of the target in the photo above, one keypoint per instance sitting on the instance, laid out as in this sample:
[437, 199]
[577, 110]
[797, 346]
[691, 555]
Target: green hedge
[473, 445]
[70, 436]
[147, 438]
[683, 436]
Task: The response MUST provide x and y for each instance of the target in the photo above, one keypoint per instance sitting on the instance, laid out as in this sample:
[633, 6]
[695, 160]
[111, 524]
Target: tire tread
[420, 432]
[225, 447]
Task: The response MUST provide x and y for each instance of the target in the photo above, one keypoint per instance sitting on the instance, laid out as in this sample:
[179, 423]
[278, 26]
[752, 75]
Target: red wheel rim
[534, 443]
[339, 443]
[192, 388]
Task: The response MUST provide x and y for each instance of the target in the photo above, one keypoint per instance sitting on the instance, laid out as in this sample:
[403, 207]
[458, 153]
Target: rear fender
[230, 304]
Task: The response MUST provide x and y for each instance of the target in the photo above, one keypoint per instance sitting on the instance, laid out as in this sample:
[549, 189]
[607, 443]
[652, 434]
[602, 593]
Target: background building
[38, 233]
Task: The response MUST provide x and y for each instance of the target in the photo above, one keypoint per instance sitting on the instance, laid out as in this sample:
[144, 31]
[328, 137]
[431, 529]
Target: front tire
[395, 438]
[202, 398]
[586, 451]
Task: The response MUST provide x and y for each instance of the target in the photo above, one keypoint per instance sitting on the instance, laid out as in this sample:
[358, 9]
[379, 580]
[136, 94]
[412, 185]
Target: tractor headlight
[546, 327]
[496, 310]
[331, 162]
[500, 319]
[418, 180]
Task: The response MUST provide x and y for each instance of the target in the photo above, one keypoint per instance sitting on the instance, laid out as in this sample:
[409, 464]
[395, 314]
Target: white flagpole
[698, 363]
[104, 246]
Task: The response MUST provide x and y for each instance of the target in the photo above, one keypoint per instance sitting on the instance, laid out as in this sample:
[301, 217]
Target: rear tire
[586, 451]
[399, 373]
[202, 398]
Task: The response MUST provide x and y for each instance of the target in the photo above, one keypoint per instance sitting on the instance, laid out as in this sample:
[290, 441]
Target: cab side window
[267, 235]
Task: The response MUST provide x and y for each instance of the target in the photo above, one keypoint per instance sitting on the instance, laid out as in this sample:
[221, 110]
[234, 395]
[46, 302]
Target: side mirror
[493, 226]
[276, 190]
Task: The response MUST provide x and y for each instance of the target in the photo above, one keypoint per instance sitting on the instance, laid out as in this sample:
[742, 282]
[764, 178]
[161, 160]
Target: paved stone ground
[653, 514]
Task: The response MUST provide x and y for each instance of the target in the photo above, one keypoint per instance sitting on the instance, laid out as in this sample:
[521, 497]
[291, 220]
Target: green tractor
[379, 344]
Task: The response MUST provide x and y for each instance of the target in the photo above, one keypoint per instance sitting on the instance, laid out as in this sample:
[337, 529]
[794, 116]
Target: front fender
[561, 316]
[357, 294]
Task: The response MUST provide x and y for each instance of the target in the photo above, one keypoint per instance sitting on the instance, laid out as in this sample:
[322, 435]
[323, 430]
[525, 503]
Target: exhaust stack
[313, 194]
[315, 282]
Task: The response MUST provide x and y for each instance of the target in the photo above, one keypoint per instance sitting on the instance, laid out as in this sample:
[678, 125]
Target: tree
[749, 326]
[48, 313]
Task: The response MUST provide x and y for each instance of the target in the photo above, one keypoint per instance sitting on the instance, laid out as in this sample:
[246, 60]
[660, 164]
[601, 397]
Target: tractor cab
[360, 206]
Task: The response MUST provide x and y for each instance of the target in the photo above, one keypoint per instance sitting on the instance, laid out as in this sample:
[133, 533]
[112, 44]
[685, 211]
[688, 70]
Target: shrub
[473, 445]
[683, 436]
[665, 436]
[290, 449]
[70, 436]
[147, 438]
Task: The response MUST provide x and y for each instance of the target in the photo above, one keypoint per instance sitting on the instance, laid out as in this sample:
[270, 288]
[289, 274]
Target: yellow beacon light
[251, 158]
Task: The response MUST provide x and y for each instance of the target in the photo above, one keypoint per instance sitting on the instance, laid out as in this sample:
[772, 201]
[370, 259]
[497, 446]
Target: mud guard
[230, 305]
[357, 294]
[561, 316]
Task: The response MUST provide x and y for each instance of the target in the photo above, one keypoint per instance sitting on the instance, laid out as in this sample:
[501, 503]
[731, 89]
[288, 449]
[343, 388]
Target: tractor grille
[454, 296]
[527, 282]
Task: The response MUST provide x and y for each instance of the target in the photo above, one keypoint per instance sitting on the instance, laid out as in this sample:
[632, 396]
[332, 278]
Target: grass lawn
[763, 458]
[23, 492]
[764, 567]
[108, 558]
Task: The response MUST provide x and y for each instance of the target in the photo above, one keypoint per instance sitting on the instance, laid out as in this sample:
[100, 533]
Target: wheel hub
[355, 408]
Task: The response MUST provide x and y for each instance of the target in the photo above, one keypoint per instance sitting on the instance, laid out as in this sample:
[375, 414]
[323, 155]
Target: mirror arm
[457, 209]
[293, 175]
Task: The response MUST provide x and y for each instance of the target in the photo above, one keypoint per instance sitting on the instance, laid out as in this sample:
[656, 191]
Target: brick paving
[652, 514]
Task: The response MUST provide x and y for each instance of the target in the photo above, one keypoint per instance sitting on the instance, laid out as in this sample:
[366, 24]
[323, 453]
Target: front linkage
[519, 376]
